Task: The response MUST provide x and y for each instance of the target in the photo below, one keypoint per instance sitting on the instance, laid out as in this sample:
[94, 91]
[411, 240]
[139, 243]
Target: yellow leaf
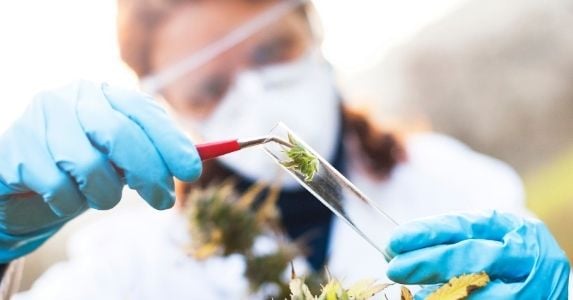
[332, 290]
[405, 293]
[206, 251]
[460, 287]
[366, 289]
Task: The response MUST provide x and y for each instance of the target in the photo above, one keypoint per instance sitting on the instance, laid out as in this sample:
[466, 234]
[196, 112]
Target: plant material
[456, 289]
[268, 213]
[365, 289]
[333, 290]
[460, 287]
[405, 294]
[219, 224]
[299, 290]
[270, 267]
[223, 221]
[301, 160]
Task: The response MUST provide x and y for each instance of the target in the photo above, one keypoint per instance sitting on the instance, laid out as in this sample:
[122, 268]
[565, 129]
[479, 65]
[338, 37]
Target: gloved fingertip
[65, 208]
[107, 202]
[63, 198]
[166, 203]
[127, 96]
[191, 169]
[406, 270]
[395, 273]
[159, 199]
[397, 244]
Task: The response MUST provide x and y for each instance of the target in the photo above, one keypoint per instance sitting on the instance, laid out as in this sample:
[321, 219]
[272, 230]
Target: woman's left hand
[520, 255]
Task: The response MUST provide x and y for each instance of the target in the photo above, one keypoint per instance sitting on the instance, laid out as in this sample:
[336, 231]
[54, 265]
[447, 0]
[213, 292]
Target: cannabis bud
[301, 160]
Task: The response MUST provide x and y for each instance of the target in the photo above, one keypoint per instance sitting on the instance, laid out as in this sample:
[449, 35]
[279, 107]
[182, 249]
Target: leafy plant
[301, 160]
[333, 290]
[270, 267]
[223, 222]
[457, 288]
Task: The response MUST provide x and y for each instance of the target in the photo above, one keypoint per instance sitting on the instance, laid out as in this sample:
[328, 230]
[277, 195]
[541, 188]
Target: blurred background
[498, 75]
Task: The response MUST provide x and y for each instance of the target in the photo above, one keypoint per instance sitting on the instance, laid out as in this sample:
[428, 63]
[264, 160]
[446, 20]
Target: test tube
[336, 192]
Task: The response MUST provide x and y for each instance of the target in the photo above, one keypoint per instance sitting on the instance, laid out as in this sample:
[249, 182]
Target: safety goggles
[202, 79]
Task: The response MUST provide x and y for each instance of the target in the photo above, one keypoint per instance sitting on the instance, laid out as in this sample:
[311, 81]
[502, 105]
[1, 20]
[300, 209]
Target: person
[520, 255]
[229, 69]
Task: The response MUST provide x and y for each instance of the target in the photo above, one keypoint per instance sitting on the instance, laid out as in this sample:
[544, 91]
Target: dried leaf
[460, 287]
[405, 293]
[362, 290]
[206, 251]
[366, 289]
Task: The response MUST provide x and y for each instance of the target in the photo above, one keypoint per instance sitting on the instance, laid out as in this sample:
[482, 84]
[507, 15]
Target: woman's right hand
[77, 147]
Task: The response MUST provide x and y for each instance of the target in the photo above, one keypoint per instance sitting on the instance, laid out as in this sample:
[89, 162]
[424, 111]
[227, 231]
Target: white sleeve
[138, 254]
[97, 259]
[442, 175]
[67, 280]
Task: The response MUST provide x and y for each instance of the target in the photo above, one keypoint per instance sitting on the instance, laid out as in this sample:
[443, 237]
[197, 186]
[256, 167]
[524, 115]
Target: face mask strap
[156, 82]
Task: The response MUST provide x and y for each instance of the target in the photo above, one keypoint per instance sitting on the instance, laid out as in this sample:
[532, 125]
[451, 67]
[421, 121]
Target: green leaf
[301, 160]
[366, 289]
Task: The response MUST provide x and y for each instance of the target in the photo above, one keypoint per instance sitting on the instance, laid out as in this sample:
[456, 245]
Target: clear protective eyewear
[204, 77]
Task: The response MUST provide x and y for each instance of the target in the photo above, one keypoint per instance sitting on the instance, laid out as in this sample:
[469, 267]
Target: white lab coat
[141, 254]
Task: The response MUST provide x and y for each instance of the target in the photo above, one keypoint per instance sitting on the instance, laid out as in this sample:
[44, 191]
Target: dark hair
[379, 150]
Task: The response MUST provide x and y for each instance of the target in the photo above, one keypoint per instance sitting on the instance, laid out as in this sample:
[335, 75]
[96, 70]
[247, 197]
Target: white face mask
[301, 94]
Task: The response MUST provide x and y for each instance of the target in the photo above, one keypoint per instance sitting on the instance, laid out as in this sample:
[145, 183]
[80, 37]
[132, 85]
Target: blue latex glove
[521, 257]
[76, 148]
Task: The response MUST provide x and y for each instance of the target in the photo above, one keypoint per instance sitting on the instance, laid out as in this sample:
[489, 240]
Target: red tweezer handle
[215, 149]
